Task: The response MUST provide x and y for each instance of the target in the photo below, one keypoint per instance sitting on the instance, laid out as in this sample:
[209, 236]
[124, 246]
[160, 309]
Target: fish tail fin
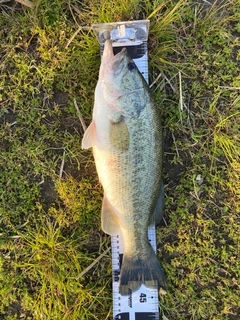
[139, 270]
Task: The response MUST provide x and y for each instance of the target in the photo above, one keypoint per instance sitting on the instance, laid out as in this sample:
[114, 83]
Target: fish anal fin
[157, 214]
[89, 137]
[109, 219]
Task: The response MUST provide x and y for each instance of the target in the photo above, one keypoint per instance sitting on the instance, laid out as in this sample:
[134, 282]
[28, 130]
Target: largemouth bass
[126, 137]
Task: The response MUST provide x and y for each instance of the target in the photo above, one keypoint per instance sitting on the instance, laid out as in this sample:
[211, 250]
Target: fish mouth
[115, 62]
[118, 61]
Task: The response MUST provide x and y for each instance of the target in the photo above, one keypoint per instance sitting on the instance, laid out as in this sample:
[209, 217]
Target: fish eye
[131, 66]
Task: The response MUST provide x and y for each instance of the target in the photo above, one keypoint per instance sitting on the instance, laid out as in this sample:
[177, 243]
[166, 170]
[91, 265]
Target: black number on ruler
[116, 274]
[143, 297]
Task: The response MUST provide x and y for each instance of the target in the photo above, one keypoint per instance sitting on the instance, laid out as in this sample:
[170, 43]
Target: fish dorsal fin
[110, 223]
[156, 216]
[89, 137]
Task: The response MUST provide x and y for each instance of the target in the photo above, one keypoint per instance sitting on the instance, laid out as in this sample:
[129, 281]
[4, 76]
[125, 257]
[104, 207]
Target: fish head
[124, 89]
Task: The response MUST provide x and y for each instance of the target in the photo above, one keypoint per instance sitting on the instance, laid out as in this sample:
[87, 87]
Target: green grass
[50, 218]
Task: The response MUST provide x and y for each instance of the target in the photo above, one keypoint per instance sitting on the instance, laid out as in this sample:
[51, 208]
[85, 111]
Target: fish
[126, 137]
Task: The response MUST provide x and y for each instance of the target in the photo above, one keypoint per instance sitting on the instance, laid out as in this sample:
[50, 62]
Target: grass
[50, 196]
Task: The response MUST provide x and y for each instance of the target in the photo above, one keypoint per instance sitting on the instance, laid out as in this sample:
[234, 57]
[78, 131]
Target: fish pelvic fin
[137, 270]
[89, 138]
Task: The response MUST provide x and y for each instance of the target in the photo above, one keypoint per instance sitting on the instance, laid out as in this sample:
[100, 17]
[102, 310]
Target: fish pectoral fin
[89, 137]
[109, 219]
[157, 214]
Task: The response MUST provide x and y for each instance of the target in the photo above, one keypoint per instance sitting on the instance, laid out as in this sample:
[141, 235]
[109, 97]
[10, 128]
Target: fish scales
[126, 138]
[133, 188]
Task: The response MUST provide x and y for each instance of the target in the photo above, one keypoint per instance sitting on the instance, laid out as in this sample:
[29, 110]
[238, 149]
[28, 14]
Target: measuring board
[143, 303]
